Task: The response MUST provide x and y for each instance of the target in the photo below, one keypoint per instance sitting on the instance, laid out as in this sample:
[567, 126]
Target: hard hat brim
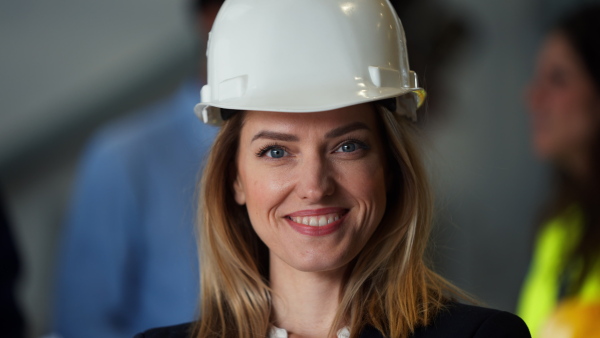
[209, 111]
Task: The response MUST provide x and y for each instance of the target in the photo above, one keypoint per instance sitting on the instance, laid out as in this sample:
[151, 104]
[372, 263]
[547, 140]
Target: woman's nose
[315, 180]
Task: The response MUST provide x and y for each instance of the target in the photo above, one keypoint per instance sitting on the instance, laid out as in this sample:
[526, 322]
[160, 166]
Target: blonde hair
[388, 285]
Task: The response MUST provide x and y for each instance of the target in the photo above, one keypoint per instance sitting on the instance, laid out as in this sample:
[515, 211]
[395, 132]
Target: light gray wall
[67, 66]
[61, 59]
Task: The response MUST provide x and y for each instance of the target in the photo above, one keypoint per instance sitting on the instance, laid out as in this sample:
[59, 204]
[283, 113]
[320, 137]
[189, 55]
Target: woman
[315, 204]
[564, 100]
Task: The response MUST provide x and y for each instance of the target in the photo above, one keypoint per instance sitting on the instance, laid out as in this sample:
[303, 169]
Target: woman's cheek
[267, 186]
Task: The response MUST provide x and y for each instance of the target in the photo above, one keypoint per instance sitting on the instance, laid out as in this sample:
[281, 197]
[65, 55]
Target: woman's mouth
[317, 222]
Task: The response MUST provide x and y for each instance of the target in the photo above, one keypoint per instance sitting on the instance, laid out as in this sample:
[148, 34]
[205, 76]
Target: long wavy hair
[387, 286]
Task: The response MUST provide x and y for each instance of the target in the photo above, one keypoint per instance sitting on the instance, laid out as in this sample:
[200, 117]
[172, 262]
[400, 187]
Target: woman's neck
[304, 303]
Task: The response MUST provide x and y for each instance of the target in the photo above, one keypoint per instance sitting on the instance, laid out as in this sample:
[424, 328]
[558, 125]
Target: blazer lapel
[370, 332]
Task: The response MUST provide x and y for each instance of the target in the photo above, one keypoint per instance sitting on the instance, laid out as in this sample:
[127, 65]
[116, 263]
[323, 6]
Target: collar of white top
[282, 333]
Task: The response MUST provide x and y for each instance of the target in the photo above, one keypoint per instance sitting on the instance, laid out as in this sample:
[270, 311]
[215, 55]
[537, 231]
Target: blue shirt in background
[128, 257]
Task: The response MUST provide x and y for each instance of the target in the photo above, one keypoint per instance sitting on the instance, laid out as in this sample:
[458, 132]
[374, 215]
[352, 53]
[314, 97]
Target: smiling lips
[317, 222]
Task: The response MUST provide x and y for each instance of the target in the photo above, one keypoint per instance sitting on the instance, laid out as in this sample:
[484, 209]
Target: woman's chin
[318, 263]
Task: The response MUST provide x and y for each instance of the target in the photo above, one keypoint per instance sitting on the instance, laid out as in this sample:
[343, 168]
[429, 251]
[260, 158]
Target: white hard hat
[306, 56]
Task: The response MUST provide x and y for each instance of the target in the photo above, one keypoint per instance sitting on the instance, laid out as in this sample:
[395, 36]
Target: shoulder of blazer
[468, 321]
[455, 320]
[175, 331]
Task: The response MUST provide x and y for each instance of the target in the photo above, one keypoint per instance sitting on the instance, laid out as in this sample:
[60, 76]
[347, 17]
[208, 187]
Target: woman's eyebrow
[337, 132]
[271, 135]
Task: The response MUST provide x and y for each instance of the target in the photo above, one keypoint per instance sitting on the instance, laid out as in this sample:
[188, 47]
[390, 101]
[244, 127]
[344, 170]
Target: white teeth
[317, 220]
[322, 221]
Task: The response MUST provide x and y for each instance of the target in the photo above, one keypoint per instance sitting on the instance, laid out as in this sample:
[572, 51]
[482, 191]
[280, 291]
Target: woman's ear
[238, 188]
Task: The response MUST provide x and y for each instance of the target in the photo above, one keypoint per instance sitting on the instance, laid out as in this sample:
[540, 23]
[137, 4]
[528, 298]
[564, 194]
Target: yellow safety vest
[539, 296]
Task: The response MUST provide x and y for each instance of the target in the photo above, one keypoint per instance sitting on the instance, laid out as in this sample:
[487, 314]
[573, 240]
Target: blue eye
[351, 146]
[272, 151]
[276, 153]
[347, 147]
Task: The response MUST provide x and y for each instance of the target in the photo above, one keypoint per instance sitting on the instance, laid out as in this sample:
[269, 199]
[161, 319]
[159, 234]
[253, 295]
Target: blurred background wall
[67, 66]
[489, 186]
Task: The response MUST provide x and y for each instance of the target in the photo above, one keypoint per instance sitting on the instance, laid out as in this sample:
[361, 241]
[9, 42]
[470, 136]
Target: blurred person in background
[11, 319]
[128, 254]
[561, 295]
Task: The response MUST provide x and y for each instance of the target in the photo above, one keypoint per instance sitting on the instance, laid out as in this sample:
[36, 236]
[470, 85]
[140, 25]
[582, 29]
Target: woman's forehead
[282, 121]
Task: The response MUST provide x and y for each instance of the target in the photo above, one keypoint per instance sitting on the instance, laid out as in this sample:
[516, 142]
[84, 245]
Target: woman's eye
[272, 151]
[347, 147]
[276, 153]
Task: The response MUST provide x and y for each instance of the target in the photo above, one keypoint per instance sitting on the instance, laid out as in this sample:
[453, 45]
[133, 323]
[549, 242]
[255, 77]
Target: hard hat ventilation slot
[233, 88]
[385, 77]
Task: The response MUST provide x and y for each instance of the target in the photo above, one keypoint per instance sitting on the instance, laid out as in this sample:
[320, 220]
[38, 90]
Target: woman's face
[313, 183]
[563, 102]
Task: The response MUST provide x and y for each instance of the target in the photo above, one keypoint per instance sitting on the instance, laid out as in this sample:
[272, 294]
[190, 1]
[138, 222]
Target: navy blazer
[456, 321]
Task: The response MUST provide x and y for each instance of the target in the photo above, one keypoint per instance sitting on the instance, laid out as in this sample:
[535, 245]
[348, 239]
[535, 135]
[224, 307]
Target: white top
[282, 333]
